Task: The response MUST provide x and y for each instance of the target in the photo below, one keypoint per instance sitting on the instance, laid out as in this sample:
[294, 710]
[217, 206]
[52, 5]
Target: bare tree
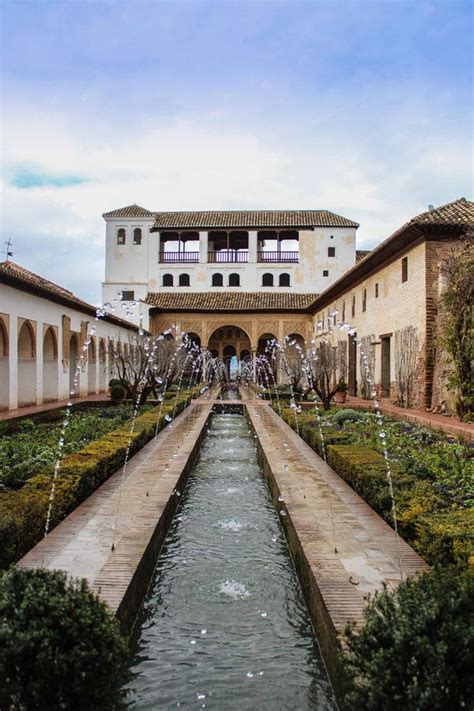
[292, 356]
[145, 365]
[319, 370]
[406, 359]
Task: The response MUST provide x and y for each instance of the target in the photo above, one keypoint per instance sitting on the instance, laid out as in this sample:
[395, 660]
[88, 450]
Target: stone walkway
[133, 511]
[450, 425]
[38, 409]
[350, 550]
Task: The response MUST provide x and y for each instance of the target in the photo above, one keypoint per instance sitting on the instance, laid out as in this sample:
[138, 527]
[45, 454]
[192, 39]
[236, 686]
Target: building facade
[294, 252]
[50, 342]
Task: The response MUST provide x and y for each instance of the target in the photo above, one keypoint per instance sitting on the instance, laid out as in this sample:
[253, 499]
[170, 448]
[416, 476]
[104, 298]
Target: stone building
[235, 252]
[44, 341]
[389, 304]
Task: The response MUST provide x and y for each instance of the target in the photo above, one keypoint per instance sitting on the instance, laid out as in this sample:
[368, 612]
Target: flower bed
[23, 511]
[433, 477]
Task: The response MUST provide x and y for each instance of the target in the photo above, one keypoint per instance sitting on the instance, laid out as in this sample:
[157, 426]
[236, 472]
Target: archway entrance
[267, 357]
[231, 344]
[26, 365]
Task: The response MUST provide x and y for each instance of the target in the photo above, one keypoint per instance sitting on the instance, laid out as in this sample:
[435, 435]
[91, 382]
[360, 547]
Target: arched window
[121, 235]
[3, 340]
[137, 235]
[50, 351]
[184, 280]
[217, 280]
[267, 280]
[168, 280]
[284, 280]
[234, 279]
[26, 341]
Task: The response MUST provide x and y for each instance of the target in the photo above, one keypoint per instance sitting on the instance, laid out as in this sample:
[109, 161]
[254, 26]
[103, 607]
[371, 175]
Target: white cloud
[204, 163]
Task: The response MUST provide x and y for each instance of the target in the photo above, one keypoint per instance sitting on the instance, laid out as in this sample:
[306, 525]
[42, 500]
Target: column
[253, 256]
[203, 247]
[39, 362]
[13, 356]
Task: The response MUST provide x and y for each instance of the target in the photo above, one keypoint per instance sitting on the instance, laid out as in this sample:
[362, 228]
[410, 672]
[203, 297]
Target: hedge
[440, 534]
[23, 512]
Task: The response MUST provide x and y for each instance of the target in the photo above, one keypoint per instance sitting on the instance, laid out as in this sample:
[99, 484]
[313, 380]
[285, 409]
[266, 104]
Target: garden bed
[433, 476]
[94, 449]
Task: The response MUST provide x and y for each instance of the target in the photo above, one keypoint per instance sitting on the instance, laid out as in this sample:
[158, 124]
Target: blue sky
[359, 107]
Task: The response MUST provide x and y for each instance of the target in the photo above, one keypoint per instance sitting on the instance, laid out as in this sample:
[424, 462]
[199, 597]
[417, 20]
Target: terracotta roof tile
[361, 253]
[459, 212]
[19, 277]
[234, 218]
[230, 301]
[129, 211]
[250, 219]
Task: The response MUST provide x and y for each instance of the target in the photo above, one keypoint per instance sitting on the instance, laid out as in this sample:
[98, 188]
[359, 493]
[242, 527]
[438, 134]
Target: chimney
[431, 207]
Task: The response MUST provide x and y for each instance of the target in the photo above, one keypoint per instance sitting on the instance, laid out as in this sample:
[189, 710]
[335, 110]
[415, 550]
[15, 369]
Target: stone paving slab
[350, 550]
[126, 510]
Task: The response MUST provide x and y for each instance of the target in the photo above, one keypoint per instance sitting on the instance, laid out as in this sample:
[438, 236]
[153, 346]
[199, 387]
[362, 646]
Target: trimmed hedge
[441, 534]
[23, 512]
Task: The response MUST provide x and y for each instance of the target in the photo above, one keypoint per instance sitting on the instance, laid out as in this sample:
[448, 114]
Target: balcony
[179, 257]
[228, 256]
[278, 257]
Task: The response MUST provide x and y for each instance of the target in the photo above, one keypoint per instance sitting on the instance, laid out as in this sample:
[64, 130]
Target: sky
[362, 108]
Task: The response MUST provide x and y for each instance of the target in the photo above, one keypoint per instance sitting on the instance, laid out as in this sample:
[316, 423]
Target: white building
[295, 251]
[50, 341]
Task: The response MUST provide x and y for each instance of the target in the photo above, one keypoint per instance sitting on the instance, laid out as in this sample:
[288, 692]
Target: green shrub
[23, 512]
[347, 415]
[60, 647]
[117, 392]
[415, 648]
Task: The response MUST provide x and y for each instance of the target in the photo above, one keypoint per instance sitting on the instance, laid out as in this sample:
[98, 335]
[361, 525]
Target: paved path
[350, 549]
[37, 409]
[450, 425]
[124, 509]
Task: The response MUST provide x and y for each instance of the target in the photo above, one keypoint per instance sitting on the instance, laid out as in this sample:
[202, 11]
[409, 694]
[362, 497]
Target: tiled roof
[235, 218]
[230, 301]
[361, 253]
[448, 221]
[129, 211]
[250, 218]
[19, 277]
[458, 212]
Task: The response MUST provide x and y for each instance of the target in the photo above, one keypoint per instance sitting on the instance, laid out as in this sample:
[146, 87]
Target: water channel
[225, 625]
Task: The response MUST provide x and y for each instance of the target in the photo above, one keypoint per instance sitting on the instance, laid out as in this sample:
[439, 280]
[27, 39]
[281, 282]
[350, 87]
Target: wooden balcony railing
[278, 257]
[228, 256]
[179, 257]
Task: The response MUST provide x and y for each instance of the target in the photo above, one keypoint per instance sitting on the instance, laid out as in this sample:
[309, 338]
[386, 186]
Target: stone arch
[74, 369]
[50, 365]
[26, 365]
[4, 366]
[228, 340]
[91, 366]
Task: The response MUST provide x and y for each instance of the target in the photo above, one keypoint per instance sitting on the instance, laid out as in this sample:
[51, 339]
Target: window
[331, 251]
[325, 273]
[184, 280]
[405, 269]
[343, 312]
[121, 235]
[364, 300]
[353, 310]
[137, 235]
[377, 290]
[284, 280]
[217, 280]
[168, 280]
[267, 280]
[234, 279]
[128, 295]
[334, 317]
